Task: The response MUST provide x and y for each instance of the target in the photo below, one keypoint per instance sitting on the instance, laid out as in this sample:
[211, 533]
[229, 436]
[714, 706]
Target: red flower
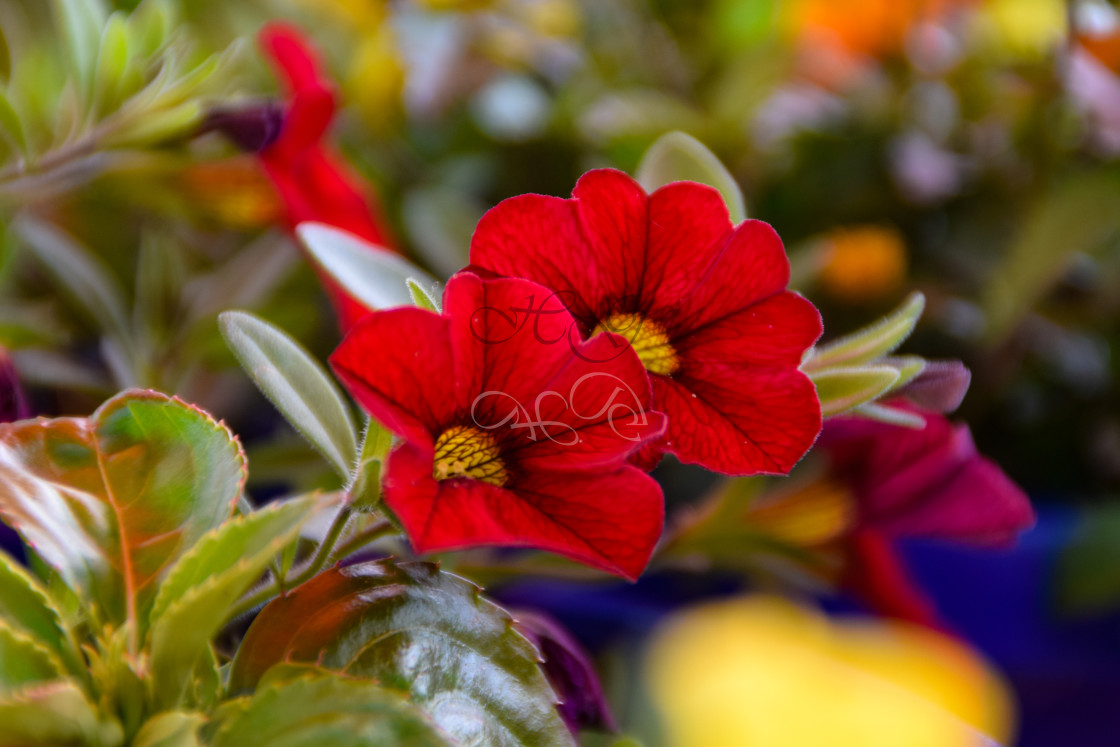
[703, 302]
[312, 181]
[509, 436]
[924, 483]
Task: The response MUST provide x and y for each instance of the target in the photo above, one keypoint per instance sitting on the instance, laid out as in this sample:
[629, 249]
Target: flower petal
[609, 520]
[754, 420]
[775, 332]
[398, 365]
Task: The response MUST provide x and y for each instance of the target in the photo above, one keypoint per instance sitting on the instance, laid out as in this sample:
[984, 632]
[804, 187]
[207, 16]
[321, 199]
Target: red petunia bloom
[704, 303]
[313, 181]
[924, 483]
[509, 435]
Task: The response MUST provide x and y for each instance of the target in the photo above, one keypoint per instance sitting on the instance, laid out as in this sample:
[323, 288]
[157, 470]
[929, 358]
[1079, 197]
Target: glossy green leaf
[195, 600]
[296, 384]
[26, 605]
[170, 729]
[111, 501]
[325, 709]
[52, 714]
[842, 389]
[871, 342]
[422, 297]
[23, 661]
[374, 276]
[676, 157]
[419, 631]
[365, 493]
[84, 278]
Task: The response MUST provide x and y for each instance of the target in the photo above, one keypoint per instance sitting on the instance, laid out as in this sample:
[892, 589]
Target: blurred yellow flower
[1022, 27]
[863, 264]
[763, 672]
[375, 78]
[234, 192]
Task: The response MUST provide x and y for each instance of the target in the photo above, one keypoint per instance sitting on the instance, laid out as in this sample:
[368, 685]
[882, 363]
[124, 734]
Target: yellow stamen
[649, 340]
[466, 451]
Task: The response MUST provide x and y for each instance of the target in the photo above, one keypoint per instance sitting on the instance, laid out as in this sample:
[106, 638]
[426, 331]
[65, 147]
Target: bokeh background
[964, 148]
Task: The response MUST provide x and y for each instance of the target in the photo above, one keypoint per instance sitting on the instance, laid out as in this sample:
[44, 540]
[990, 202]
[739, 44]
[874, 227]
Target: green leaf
[373, 275]
[84, 278]
[195, 600]
[422, 297]
[1088, 573]
[52, 714]
[80, 23]
[111, 501]
[23, 661]
[170, 729]
[325, 709]
[156, 127]
[1077, 215]
[27, 606]
[421, 632]
[842, 389]
[870, 342]
[365, 493]
[112, 61]
[10, 125]
[891, 415]
[296, 384]
[676, 157]
[149, 26]
[908, 367]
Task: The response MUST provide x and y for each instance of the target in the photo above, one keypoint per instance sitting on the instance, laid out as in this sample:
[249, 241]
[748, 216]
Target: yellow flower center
[466, 451]
[648, 338]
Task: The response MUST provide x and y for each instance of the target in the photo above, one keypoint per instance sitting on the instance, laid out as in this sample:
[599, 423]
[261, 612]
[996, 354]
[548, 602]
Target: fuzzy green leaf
[842, 389]
[170, 729]
[422, 297]
[891, 415]
[23, 661]
[419, 631]
[676, 157]
[870, 342]
[195, 600]
[54, 713]
[296, 384]
[374, 276]
[365, 493]
[27, 606]
[111, 501]
[322, 708]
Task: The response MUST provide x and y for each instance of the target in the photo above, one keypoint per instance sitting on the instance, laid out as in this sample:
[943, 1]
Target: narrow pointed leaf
[23, 661]
[320, 708]
[26, 605]
[84, 278]
[422, 297]
[111, 501]
[170, 729]
[891, 415]
[11, 126]
[419, 631]
[195, 600]
[909, 367]
[296, 384]
[842, 389]
[112, 60]
[676, 157]
[373, 276]
[365, 493]
[54, 713]
[80, 23]
[871, 342]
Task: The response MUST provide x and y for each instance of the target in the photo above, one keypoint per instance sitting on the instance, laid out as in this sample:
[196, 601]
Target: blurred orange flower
[863, 264]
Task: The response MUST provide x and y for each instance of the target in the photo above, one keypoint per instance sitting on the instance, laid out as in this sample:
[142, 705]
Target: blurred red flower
[312, 180]
[704, 303]
[509, 435]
